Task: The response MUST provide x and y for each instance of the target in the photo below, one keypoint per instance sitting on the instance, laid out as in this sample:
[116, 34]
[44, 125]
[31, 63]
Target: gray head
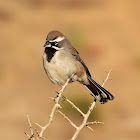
[56, 40]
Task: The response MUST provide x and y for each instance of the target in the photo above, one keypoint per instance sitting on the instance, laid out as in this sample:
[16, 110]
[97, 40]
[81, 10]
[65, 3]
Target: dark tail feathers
[101, 94]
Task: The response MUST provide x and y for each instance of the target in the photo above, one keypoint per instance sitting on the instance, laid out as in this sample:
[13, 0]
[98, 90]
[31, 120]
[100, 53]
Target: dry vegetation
[108, 37]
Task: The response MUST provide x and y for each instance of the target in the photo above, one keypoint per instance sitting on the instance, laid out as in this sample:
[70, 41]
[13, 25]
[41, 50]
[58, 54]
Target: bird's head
[55, 39]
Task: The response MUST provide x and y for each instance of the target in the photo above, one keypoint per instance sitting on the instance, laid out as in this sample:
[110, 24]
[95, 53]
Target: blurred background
[106, 34]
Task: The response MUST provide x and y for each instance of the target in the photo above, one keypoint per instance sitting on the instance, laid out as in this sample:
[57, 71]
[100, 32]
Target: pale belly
[60, 68]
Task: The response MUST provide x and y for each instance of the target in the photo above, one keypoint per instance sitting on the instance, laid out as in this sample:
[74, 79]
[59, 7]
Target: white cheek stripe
[58, 39]
[49, 45]
[57, 48]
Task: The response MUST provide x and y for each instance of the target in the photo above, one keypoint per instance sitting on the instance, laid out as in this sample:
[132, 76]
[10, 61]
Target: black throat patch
[50, 53]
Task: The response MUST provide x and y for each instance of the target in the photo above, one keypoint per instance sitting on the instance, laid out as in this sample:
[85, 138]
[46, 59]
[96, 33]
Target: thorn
[57, 92]
[90, 128]
[51, 98]
[37, 132]
[37, 124]
[26, 134]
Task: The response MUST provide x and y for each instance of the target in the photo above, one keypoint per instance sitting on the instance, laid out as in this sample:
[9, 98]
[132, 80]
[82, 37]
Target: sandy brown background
[107, 35]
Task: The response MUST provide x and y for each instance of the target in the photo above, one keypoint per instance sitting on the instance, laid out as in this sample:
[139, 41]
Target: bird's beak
[47, 44]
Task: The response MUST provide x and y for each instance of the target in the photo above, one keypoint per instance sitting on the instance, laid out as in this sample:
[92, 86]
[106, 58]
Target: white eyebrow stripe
[58, 39]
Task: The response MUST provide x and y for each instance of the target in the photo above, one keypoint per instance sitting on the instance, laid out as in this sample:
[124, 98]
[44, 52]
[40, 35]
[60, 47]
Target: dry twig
[57, 106]
[85, 116]
[31, 137]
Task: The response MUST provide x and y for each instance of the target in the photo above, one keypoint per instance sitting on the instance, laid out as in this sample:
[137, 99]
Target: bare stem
[107, 77]
[86, 116]
[74, 106]
[31, 137]
[55, 107]
[65, 117]
[84, 121]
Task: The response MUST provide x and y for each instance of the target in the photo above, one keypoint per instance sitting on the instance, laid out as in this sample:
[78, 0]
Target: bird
[61, 60]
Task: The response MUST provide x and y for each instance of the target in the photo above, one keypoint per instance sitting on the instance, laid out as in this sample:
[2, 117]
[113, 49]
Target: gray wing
[76, 55]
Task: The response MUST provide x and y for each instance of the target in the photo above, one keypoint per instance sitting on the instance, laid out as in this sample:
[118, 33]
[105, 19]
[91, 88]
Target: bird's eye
[55, 43]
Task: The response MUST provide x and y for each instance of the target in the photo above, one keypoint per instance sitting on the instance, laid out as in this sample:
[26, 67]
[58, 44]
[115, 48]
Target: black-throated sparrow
[61, 60]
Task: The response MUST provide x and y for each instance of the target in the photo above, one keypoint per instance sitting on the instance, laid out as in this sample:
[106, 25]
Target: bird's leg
[63, 99]
[72, 78]
[63, 87]
[56, 96]
[62, 96]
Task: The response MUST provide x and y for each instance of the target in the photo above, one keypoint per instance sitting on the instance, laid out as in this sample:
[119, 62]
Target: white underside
[61, 67]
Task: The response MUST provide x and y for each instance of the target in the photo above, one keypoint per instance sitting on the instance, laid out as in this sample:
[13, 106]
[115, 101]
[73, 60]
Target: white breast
[61, 66]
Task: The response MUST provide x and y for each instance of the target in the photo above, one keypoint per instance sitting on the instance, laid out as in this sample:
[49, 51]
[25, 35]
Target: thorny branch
[57, 106]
